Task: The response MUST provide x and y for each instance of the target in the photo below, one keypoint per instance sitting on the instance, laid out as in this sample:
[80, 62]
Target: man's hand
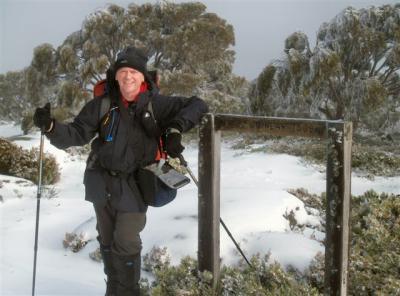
[173, 144]
[42, 118]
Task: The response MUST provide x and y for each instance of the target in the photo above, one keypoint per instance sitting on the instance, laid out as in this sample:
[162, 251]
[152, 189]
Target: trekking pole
[185, 164]
[38, 196]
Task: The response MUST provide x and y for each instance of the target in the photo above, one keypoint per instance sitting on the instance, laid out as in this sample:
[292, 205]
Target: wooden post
[338, 194]
[209, 199]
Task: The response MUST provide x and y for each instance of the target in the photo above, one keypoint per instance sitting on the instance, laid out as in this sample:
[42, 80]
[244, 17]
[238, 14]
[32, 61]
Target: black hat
[131, 57]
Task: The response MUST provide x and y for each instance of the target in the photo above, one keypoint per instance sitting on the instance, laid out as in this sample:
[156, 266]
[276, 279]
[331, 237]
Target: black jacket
[123, 154]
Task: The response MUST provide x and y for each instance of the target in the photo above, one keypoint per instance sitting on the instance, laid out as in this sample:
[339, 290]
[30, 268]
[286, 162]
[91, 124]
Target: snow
[8, 129]
[254, 199]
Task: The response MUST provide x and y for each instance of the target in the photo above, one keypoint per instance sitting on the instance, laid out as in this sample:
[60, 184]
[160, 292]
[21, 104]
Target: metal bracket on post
[209, 199]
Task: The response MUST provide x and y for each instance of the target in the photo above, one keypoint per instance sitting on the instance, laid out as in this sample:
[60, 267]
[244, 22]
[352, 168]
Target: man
[128, 138]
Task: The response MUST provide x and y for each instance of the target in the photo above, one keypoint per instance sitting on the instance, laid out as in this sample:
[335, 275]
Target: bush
[370, 158]
[184, 279]
[373, 266]
[365, 158]
[18, 162]
[375, 244]
[75, 242]
[374, 161]
[374, 247]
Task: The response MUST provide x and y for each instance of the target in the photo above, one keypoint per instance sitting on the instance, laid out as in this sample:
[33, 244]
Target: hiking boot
[109, 270]
[128, 274]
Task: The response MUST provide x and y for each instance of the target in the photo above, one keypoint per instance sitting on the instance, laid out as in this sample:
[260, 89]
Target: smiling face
[129, 81]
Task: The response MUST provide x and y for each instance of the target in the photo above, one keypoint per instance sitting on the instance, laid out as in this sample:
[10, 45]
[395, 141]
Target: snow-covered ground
[254, 199]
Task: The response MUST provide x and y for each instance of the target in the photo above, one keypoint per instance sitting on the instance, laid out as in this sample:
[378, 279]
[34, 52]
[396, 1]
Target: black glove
[42, 118]
[173, 144]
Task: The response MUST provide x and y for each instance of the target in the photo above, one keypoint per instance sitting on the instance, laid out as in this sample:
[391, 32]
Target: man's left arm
[176, 115]
[178, 112]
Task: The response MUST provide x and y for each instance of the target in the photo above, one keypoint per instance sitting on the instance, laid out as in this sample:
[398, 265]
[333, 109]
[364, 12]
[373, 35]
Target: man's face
[129, 81]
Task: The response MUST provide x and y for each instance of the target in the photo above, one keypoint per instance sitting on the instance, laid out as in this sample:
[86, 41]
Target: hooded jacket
[114, 151]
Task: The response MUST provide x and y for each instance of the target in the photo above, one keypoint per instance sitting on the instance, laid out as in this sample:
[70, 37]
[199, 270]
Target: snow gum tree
[352, 73]
[12, 98]
[40, 76]
[20, 91]
[190, 48]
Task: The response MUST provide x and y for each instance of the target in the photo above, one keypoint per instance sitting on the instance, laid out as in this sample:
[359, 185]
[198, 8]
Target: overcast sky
[261, 26]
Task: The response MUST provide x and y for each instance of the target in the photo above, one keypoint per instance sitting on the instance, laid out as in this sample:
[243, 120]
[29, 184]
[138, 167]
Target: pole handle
[183, 161]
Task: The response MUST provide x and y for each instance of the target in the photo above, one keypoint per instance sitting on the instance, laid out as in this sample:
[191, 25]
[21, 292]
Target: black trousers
[120, 230]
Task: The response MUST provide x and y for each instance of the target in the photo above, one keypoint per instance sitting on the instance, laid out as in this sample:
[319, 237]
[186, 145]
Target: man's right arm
[79, 132]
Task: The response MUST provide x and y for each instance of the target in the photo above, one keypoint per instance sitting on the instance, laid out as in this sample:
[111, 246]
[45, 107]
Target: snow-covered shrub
[374, 247]
[156, 259]
[179, 280]
[375, 161]
[81, 235]
[375, 244]
[276, 281]
[315, 272]
[74, 241]
[22, 163]
[96, 255]
[184, 279]
[311, 201]
[370, 154]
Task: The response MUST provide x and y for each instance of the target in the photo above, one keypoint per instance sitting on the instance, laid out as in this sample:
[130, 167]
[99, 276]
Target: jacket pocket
[95, 187]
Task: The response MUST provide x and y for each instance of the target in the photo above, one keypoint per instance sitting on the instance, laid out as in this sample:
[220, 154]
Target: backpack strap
[104, 106]
[100, 88]
[160, 152]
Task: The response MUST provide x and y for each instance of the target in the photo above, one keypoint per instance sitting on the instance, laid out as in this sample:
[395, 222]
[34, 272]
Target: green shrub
[313, 151]
[373, 266]
[374, 161]
[367, 157]
[374, 247]
[184, 279]
[22, 163]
